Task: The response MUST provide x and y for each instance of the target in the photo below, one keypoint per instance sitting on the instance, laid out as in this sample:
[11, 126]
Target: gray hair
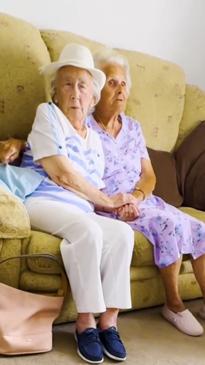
[110, 56]
[51, 81]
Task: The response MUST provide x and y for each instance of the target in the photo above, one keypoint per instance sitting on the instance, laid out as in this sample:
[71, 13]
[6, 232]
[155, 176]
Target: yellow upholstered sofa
[160, 99]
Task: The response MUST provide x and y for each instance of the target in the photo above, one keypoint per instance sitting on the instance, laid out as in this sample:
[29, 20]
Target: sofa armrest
[10, 271]
[194, 112]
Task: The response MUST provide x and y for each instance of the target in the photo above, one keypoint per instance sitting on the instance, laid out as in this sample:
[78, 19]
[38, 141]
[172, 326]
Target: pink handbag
[26, 318]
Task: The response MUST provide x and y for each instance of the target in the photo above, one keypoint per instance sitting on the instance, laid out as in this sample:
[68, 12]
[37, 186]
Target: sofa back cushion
[156, 98]
[190, 163]
[164, 165]
[157, 95]
[194, 112]
[194, 195]
[22, 52]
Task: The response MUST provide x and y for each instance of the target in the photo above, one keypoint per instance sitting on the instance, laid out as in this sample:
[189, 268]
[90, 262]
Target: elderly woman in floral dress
[128, 169]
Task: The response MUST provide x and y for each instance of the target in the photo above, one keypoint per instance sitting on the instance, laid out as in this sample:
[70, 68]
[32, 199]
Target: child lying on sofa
[10, 150]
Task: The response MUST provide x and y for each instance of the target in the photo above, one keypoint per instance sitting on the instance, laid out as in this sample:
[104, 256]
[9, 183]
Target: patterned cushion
[22, 52]
[194, 112]
[14, 220]
[157, 95]
[55, 40]
[156, 99]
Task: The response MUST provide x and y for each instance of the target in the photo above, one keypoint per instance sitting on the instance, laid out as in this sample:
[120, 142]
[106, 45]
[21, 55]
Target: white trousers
[96, 253]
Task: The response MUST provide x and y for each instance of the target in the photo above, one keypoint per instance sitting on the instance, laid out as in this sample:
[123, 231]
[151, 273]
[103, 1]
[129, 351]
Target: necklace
[114, 129]
[103, 126]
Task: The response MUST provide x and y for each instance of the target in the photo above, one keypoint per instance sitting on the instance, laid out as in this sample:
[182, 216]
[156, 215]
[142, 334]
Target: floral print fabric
[171, 232]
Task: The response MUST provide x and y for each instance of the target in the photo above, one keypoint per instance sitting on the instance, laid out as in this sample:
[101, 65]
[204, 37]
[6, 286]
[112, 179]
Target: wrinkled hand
[128, 212]
[121, 199]
[10, 150]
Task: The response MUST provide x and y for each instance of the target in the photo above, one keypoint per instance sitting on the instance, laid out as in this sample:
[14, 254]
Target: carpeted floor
[149, 339]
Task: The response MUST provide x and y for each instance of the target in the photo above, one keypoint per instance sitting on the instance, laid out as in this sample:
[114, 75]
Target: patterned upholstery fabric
[157, 100]
[14, 219]
[22, 87]
[157, 95]
[194, 112]
[10, 272]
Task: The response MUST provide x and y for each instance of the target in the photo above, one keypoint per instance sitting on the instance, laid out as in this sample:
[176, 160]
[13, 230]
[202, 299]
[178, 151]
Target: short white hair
[110, 57]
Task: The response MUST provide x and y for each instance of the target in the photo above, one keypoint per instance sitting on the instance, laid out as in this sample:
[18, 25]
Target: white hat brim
[53, 67]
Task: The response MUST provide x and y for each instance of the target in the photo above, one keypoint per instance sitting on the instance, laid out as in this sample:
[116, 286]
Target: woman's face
[74, 92]
[115, 92]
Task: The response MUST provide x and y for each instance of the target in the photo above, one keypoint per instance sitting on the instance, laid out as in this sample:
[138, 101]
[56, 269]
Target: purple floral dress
[171, 232]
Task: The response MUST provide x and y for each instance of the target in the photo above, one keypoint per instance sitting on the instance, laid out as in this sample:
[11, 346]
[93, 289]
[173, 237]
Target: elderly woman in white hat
[96, 250]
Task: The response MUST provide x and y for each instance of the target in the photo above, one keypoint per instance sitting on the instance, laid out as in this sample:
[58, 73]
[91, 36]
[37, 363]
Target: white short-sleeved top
[52, 134]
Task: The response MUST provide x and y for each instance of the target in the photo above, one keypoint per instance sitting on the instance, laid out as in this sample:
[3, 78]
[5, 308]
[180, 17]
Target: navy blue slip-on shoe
[112, 344]
[89, 346]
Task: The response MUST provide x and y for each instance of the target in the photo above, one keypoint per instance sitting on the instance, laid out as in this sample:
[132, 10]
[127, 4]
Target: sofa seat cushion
[14, 219]
[198, 214]
[41, 242]
[10, 270]
[142, 259]
[143, 273]
[36, 282]
[186, 267]
[143, 253]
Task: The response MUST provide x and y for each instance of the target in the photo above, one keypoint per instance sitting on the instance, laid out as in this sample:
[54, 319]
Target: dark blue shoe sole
[87, 360]
[113, 357]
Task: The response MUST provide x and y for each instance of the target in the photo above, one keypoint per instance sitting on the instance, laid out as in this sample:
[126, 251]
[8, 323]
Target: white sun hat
[79, 56]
